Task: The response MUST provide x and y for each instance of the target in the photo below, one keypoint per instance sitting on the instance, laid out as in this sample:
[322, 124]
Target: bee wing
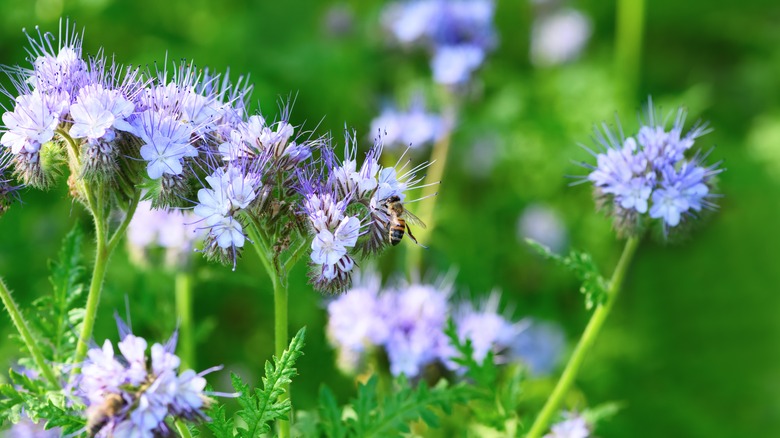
[414, 220]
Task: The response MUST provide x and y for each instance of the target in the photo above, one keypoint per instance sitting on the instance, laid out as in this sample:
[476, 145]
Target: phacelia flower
[231, 190]
[559, 37]
[412, 128]
[175, 230]
[346, 210]
[539, 346]
[574, 426]
[652, 175]
[486, 328]
[457, 33]
[136, 391]
[544, 225]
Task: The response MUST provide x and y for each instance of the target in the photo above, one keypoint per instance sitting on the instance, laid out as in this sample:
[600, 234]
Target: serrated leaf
[56, 416]
[263, 405]
[330, 423]
[582, 265]
[220, 425]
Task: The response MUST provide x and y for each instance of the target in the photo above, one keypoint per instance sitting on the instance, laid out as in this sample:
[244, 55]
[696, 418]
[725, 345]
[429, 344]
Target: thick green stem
[281, 340]
[183, 289]
[628, 45]
[24, 331]
[279, 282]
[553, 404]
[96, 286]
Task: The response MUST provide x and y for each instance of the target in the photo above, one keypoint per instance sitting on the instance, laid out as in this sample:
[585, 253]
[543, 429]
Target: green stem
[184, 432]
[279, 282]
[24, 331]
[628, 44]
[435, 173]
[280, 342]
[96, 286]
[553, 403]
[183, 289]
[120, 231]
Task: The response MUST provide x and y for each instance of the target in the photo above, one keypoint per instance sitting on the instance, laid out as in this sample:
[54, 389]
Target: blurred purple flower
[544, 225]
[559, 37]
[457, 33]
[412, 128]
[574, 426]
[539, 345]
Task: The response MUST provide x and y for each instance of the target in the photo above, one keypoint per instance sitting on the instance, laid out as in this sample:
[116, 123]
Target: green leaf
[331, 424]
[261, 406]
[220, 425]
[58, 417]
[582, 265]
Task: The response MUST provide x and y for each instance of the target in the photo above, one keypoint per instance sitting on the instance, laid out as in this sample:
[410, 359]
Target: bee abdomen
[396, 233]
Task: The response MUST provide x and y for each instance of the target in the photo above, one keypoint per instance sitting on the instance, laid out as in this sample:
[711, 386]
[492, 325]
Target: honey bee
[99, 415]
[398, 218]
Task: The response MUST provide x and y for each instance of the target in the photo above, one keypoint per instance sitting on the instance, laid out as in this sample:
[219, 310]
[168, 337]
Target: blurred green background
[693, 346]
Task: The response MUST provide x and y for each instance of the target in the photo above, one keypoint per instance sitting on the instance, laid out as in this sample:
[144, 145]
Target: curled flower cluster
[174, 230]
[407, 322]
[411, 128]
[652, 174]
[133, 394]
[458, 33]
[345, 207]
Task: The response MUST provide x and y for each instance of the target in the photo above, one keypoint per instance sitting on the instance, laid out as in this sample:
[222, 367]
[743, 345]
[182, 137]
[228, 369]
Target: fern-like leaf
[582, 265]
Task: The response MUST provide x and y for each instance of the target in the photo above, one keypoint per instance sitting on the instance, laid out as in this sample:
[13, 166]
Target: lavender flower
[457, 33]
[486, 328]
[356, 322]
[539, 346]
[411, 128]
[559, 37]
[175, 230]
[133, 394]
[542, 224]
[574, 426]
[346, 212]
[231, 191]
[648, 176]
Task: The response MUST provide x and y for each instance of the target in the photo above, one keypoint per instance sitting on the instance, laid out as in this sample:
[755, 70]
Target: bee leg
[409, 232]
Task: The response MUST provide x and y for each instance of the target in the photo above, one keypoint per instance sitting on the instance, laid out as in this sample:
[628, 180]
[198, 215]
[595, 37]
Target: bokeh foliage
[693, 346]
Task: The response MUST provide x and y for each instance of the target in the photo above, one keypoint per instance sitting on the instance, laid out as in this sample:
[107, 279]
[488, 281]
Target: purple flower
[31, 124]
[411, 128]
[649, 174]
[175, 230]
[539, 346]
[574, 426]
[145, 390]
[559, 37]
[166, 142]
[486, 328]
[458, 33]
[98, 111]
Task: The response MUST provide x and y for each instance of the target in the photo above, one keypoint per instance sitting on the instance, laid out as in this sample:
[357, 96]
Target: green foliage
[372, 414]
[39, 403]
[261, 406]
[495, 395]
[581, 264]
[55, 317]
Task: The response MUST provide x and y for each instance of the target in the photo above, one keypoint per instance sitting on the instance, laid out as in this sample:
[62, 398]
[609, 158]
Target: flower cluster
[174, 230]
[408, 323]
[346, 208]
[133, 395]
[411, 128]
[458, 33]
[648, 174]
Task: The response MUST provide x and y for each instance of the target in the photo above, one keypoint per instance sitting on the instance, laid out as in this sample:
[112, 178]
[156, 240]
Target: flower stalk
[553, 404]
[183, 292]
[24, 332]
